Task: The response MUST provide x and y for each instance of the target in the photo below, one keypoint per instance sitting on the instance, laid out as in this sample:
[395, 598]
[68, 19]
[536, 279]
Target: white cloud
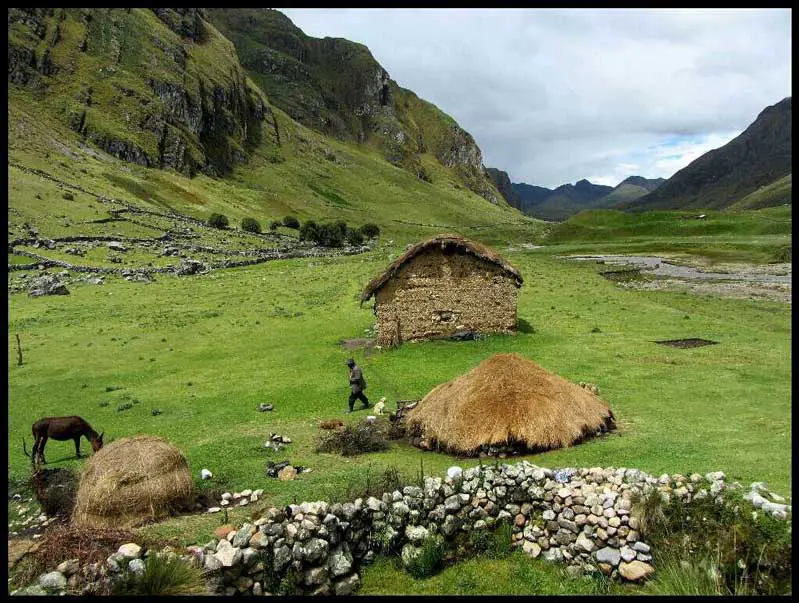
[555, 95]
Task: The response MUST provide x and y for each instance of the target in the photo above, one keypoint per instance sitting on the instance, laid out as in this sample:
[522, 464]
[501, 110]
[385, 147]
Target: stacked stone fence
[584, 518]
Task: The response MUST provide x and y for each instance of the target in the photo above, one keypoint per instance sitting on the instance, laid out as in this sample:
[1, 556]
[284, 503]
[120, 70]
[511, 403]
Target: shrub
[354, 237]
[218, 220]
[494, 544]
[251, 225]
[430, 559]
[783, 254]
[330, 235]
[751, 550]
[273, 225]
[164, 575]
[354, 439]
[309, 231]
[370, 230]
[692, 576]
[291, 222]
[342, 227]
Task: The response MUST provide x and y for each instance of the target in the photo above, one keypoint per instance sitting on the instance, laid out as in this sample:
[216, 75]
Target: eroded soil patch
[687, 343]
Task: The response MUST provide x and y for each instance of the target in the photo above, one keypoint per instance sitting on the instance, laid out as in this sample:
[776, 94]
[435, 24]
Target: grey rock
[69, 567]
[282, 557]
[339, 562]
[583, 543]
[227, 554]
[641, 547]
[608, 555]
[315, 575]
[315, 550]
[136, 566]
[416, 533]
[53, 581]
[627, 553]
[242, 536]
[347, 585]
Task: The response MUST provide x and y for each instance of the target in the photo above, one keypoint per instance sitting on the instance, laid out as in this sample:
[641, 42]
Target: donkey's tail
[25, 449]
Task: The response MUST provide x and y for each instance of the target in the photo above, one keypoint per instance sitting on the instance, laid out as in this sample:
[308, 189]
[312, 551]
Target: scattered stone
[635, 571]
[287, 473]
[53, 581]
[129, 551]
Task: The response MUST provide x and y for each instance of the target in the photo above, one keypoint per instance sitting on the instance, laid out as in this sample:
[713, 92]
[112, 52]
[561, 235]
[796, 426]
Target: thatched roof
[130, 482]
[447, 242]
[509, 399]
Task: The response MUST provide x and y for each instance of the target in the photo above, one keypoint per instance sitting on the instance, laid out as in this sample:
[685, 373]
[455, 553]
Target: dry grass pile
[354, 439]
[509, 400]
[132, 481]
[68, 542]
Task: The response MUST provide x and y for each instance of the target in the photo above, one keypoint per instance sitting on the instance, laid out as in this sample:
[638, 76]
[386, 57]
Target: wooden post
[19, 352]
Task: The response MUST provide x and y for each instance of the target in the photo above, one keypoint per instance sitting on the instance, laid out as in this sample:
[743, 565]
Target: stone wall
[585, 518]
[437, 295]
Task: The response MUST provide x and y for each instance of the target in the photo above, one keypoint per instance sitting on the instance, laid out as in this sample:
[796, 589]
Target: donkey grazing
[61, 428]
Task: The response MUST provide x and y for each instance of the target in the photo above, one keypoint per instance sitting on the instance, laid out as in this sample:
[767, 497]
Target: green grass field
[206, 350]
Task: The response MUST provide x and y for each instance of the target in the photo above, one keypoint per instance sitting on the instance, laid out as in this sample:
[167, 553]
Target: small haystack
[130, 482]
[508, 400]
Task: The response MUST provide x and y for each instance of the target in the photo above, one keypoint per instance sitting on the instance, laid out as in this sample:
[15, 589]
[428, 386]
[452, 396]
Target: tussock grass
[164, 575]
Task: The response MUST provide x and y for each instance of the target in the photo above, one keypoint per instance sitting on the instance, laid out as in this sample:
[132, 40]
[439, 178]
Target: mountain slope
[530, 195]
[336, 87]
[627, 190]
[159, 87]
[505, 187]
[722, 177]
[218, 154]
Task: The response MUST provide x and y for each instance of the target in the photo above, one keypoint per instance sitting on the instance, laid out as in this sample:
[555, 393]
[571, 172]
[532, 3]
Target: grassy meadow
[206, 350]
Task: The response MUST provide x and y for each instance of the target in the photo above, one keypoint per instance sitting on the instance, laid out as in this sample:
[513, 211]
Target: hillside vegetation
[205, 141]
[723, 177]
[748, 236]
[336, 87]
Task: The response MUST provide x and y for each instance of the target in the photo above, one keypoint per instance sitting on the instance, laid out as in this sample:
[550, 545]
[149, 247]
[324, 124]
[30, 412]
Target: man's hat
[350, 362]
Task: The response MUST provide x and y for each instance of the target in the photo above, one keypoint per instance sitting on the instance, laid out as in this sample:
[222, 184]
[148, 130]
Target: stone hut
[442, 286]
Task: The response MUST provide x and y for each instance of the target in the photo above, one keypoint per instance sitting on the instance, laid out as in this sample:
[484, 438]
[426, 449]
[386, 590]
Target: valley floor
[206, 350]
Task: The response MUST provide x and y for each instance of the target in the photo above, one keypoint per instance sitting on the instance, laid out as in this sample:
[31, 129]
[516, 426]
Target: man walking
[357, 385]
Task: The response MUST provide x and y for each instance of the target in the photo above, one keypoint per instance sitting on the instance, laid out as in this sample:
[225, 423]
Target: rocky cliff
[502, 181]
[158, 87]
[337, 87]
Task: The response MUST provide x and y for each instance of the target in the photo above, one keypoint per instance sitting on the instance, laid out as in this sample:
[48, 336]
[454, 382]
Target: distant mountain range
[750, 172]
[760, 158]
[568, 199]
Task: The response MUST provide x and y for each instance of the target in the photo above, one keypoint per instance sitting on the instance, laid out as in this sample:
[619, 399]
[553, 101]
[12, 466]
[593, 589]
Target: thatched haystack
[508, 400]
[132, 481]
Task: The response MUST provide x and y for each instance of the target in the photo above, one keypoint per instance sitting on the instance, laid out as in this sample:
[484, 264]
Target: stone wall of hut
[437, 294]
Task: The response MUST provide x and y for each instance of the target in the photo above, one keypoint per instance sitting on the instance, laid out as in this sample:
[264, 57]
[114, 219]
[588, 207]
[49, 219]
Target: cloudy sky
[556, 95]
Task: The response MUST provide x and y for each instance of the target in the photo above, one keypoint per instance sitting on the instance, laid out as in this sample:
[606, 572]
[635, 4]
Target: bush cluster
[494, 544]
[336, 234]
[430, 559]
[354, 439]
[218, 220]
[291, 222]
[750, 550]
[251, 225]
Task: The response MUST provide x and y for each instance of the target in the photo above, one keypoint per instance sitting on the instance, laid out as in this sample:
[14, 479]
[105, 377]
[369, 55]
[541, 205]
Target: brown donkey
[61, 428]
